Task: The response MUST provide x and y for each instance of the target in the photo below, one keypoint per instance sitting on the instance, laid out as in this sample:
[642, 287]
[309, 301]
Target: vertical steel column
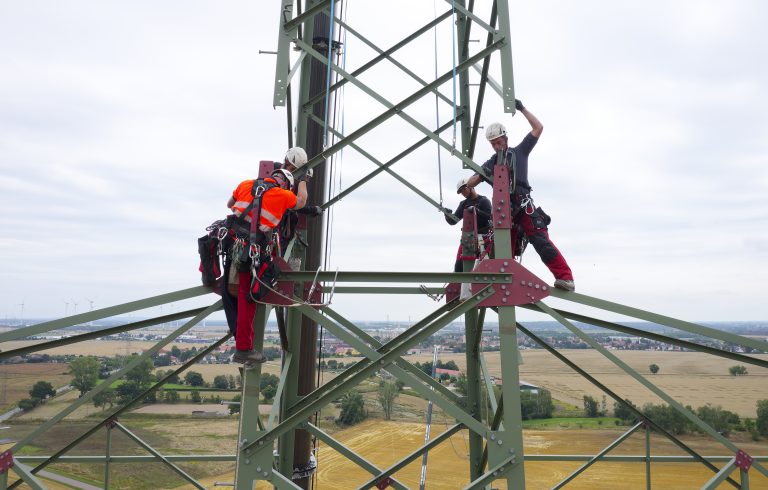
[512, 435]
[507, 74]
[647, 456]
[108, 426]
[473, 332]
[253, 464]
[464, 103]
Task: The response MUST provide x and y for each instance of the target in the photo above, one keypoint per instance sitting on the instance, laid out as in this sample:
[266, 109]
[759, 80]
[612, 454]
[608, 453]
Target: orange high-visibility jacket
[274, 202]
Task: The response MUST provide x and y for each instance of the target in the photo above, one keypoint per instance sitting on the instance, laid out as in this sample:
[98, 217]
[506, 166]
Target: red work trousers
[543, 245]
[246, 311]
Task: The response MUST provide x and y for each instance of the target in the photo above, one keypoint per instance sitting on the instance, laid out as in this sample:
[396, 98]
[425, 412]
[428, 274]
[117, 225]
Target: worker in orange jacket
[275, 201]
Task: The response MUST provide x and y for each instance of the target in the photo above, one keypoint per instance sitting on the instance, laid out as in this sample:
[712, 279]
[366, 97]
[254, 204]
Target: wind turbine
[21, 321]
[90, 323]
[74, 311]
[66, 307]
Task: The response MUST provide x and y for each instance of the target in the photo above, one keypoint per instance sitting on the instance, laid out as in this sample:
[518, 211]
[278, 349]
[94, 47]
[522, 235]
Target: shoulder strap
[257, 183]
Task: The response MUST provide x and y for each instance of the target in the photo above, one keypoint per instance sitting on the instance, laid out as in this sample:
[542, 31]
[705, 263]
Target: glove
[448, 210]
[313, 210]
[519, 105]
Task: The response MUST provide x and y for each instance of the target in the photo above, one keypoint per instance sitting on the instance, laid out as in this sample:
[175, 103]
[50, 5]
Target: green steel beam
[385, 167]
[87, 397]
[658, 337]
[108, 455]
[648, 457]
[81, 318]
[282, 482]
[599, 456]
[402, 277]
[353, 370]
[387, 290]
[660, 319]
[99, 333]
[484, 79]
[312, 402]
[411, 457]
[505, 54]
[400, 362]
[250, 467]
[721, 475]
[282, 78]
[458, 5]
[286, 442]
[26, 477]
[208, 458]
[402, 67]
[640, 379]
[395, 109]
[382, 55]
[618, 399]
[350, 454]
[156, 454]
[447, 403]
[307, 15]
[498, 471]
[275, 410]
[190, 362]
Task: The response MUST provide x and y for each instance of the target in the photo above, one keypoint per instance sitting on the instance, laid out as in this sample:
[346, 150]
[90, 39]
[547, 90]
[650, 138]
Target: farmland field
[17, 379]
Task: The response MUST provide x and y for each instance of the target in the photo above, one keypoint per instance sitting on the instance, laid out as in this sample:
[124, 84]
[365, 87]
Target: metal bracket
[743, 460]
[384, 483]
[6, 461]
[502, 210]
[110, 423]
[523, 288]
[452, 291]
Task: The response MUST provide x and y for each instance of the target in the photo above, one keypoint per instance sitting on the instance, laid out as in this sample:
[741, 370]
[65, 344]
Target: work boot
[565, 284]
[248, 357]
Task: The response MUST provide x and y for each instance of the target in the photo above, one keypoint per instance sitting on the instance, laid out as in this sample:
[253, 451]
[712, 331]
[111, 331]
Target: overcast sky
[125, 126]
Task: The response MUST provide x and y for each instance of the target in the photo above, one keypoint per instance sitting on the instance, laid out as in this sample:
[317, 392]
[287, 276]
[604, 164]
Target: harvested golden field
[691, 378]
[384, 443]
[17, 379]
[105, 348]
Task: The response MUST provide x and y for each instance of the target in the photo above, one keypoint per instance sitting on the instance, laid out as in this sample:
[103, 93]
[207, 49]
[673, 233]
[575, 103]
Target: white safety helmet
[286, 174]
[495, 130]
[461, 183]
[296, 156]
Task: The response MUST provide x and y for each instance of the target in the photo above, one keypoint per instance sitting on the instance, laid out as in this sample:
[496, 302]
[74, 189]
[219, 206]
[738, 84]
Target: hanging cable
[437, 114]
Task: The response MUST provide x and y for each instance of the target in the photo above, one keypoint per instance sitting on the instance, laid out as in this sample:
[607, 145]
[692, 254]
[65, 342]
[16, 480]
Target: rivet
[500, 442]
[503, 286]
[258, 468]
[522, 283]
[506, 293]
[503, 215]
[503, 300]
[265, 474]
[485, 278]
[247, 461]
[501, 201]
[493, 437]
[530, 284]
[502, 270]
[543, 288]
[495, 473]
[506, 263]
[537, 286]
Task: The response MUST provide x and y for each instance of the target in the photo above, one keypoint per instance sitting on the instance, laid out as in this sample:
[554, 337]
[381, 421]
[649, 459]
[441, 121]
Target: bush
[654, 368]
[721, 420]
[590, 407]
[668, 418]
[762, 417]
[28, 403]
[233, 409]
[622, 412]
[536, 405]
[352, 408]
[193, 378]
[737, 370]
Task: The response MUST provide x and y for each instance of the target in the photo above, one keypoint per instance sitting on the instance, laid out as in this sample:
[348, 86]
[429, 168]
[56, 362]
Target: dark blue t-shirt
[521, 152]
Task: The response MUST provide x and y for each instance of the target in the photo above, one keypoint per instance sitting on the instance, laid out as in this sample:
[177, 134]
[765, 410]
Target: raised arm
[536, 126]
[301, 195]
